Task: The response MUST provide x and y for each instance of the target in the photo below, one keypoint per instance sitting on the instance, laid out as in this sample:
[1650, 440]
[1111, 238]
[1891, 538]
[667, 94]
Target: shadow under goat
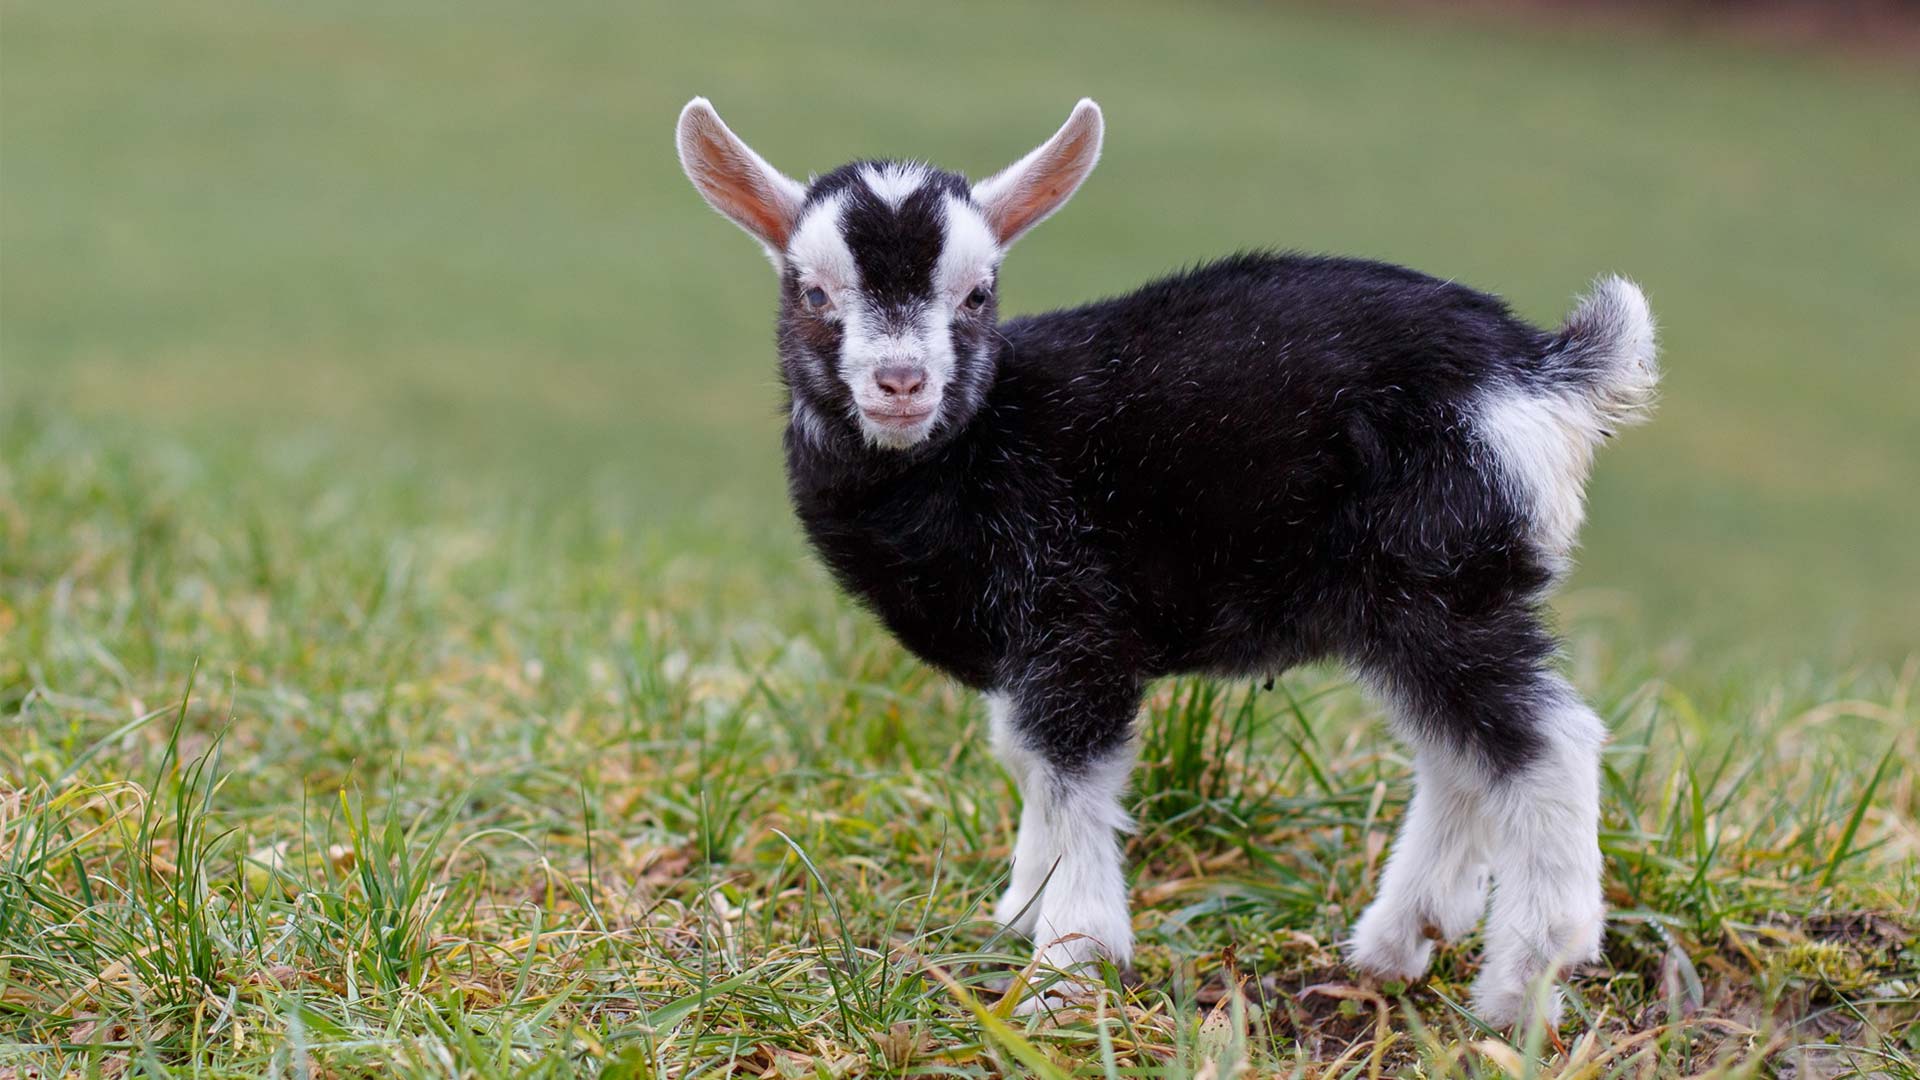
[1269, 459]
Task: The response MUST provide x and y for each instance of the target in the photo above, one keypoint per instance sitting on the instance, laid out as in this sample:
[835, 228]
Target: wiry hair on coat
[1266, 460]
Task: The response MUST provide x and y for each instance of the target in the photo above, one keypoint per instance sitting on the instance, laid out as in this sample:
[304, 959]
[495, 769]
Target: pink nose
[901, 380]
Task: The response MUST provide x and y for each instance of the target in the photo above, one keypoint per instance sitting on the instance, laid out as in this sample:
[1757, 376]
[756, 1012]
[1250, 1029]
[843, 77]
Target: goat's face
[887, 303]
[887, 272]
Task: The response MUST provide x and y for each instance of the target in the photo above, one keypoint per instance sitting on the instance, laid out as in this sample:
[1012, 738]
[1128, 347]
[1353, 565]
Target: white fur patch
[1548, 908]
[1083, 909]
[968, 256]
[1019, 906]
[1434, 886]
[1537, 833]
[1544, 443]
[1616, 319]
[1545, 438]
[873, 340]
[894, 181]
[1068, 852]
[818, 251]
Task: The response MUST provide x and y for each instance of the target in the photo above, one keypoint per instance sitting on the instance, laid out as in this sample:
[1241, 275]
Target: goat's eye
[815, 298]
[978, 298]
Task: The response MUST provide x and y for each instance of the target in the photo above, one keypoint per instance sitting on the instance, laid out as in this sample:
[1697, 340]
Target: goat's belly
[944, 639]
[1238, 641]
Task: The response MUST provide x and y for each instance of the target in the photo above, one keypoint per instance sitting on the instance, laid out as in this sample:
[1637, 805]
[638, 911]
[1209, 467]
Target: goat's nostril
[901, 380]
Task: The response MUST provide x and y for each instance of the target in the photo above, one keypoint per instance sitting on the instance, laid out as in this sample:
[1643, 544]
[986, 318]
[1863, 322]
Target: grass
[508, 797]
[408, 668]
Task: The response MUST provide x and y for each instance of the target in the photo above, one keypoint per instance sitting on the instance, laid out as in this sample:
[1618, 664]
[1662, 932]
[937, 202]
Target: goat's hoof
[1518, 985]
[1387, 948]
[1507, 1003]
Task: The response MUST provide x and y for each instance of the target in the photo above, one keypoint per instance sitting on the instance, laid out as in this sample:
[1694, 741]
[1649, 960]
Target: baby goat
[1265, 460]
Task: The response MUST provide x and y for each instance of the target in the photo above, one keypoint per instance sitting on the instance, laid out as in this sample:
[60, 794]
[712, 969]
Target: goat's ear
[736, 181]
[1021, 195]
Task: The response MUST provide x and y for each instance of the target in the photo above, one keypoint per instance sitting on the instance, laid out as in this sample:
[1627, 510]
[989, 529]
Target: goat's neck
[844, 465]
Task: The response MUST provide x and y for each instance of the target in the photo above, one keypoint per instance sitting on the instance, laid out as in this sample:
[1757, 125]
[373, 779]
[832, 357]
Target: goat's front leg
[1019, 906]
[1070, 752]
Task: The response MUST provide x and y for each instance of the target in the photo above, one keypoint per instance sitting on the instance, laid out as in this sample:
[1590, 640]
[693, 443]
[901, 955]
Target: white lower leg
[1068, 854]
[1034, 851]
[1434, 886]
[1083, 909]
[1082, 915]
[1033, 847]
[1548, 907]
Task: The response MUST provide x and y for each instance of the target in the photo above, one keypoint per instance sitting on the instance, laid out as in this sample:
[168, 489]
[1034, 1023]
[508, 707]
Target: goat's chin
[889, 433]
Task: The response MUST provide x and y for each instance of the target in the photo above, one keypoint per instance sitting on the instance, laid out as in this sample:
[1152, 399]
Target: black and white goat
[1262, 461]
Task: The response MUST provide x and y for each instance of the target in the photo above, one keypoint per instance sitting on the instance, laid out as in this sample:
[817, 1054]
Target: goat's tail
[1606, 354]
[1599, 374]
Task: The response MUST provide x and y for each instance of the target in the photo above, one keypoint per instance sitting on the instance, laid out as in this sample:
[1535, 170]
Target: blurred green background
[454, 236]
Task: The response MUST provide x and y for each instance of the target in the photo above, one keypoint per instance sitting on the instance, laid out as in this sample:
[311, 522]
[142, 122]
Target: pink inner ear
[732, 182]
[1046, 185]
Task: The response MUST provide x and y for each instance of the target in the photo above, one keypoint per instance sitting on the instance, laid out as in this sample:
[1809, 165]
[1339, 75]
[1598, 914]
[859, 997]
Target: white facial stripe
[969, 254]
[893, 181]
[870, 342]
[819, 253]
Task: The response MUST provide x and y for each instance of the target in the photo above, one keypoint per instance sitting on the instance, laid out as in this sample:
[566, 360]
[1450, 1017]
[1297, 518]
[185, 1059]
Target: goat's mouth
[897, 419]
[899, 426]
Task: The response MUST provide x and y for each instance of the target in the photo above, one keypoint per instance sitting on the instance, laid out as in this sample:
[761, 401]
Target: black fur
[1247, 465]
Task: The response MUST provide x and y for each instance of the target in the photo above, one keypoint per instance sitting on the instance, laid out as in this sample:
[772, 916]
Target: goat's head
[887, 271]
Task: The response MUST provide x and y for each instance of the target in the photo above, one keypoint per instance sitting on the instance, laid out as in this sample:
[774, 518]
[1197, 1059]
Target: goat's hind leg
[1507, 774]
[1434, 886]
[1549, 910]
